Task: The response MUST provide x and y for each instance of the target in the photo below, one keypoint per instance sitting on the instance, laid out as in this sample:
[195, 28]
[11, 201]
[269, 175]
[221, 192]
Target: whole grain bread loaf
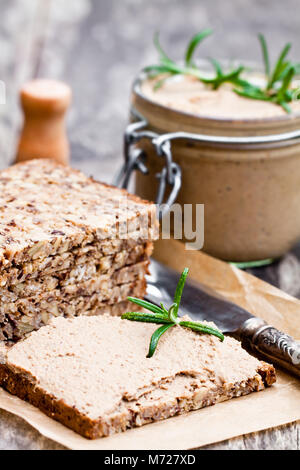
[104, 256]
[91, 373]
[84, 281]
[48, 209]
[69, 246]
[22, 317]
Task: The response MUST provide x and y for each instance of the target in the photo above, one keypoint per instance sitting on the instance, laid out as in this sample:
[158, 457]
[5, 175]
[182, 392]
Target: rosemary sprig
[169, 67]
[278, 88]
[193, 44]
[265, 53]
[168, 318]
[222, 77]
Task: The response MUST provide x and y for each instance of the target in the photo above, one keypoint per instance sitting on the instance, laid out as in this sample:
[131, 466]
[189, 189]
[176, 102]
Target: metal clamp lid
[135, 161]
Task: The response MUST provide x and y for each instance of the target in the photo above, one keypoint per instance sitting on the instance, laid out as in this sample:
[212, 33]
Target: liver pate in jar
[239, 157]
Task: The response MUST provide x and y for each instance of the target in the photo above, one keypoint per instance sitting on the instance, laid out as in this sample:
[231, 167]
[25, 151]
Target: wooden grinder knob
[44, 104]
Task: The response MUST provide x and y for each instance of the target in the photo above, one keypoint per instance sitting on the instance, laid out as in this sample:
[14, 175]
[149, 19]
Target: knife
[202, 303]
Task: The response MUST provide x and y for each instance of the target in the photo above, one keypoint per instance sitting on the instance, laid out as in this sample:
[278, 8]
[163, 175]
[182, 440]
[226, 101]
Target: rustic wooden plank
[281, 438]
[16, 434]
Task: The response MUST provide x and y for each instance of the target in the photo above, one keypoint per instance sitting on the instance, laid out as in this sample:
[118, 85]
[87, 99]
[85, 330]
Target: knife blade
[202, 303]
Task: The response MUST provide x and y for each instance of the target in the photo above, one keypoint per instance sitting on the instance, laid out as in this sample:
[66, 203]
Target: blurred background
[98, 46]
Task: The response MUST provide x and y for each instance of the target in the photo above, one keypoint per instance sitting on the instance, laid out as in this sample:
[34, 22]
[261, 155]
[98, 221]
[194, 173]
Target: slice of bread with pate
[92, 375]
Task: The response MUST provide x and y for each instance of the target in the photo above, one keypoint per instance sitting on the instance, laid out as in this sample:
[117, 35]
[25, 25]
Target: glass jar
[245, 172]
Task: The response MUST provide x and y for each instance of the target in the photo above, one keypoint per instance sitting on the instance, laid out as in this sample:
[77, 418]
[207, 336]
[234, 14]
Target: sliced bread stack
[69, 246]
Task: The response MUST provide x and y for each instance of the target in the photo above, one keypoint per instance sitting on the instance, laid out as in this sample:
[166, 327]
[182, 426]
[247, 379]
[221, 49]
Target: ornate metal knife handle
[275, 346]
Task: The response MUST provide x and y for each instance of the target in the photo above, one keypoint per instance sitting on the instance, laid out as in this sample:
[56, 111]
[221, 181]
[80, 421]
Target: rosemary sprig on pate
[169, 67]
[278, 88]
[168, 318]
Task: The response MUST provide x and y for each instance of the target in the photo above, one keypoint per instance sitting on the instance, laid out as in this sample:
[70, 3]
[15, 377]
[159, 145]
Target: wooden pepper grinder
[44, 104]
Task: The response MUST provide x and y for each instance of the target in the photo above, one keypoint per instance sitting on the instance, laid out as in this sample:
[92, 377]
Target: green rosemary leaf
[173, 313]
[253, 93]
[292, 94]
[195, 41]
[145, 318]
[283, 70]
[162, 55]
[278, 67]
[297, 68]
[179, 290]
[285, 84]
[245, 84]
[265, 53]
[164, 309]
[166, 318]
[159, 83]
[284, 53]
[202, 329]
[165, 67]
[175, 68]
[147, 305]
[154, 70]
[235, 74]
[217, 66]
[156, 337]
[285, 106]
[230, 77]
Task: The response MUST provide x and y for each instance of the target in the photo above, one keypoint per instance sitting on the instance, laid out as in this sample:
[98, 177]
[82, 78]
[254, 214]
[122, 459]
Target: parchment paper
[273, 407]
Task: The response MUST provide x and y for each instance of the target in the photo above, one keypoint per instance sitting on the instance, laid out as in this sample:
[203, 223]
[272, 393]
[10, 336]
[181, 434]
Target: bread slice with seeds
[92, 375]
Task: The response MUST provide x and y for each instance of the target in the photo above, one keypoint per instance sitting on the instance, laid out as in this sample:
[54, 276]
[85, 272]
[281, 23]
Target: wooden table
[98, 46]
